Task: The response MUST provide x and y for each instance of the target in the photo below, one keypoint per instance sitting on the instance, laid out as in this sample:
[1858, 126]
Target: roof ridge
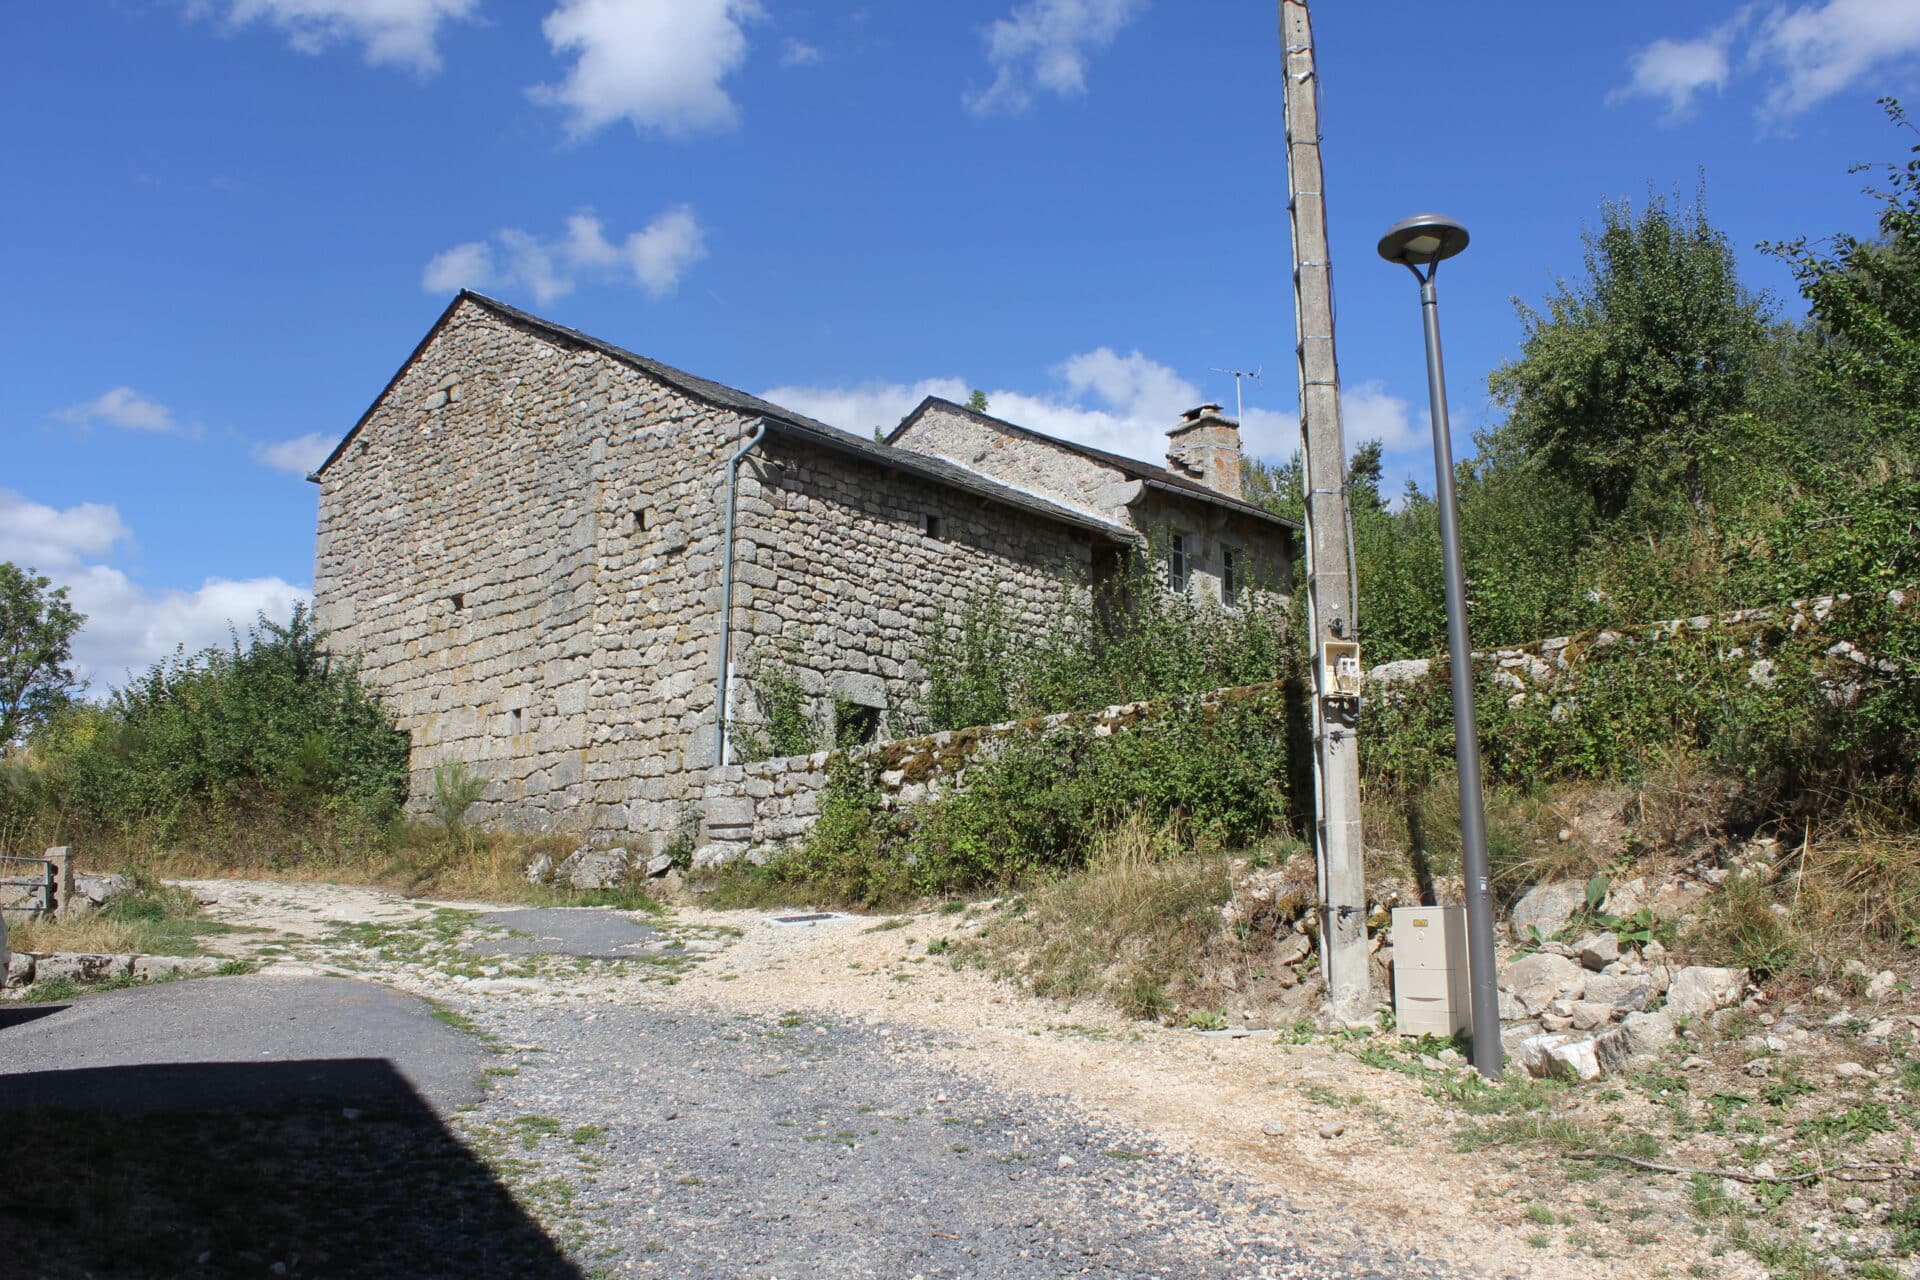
[1165, 477]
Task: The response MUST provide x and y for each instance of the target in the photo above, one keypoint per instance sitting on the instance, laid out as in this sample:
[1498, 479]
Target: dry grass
[91, 933]
[1154, 930]
[152, 919]
[1836, 895]
[422, 861]
[1413, 837]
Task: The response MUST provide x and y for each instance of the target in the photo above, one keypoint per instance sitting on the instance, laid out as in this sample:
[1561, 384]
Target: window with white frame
[1177, 562]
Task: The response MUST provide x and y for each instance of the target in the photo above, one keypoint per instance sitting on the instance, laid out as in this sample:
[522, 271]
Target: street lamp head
[1422, 240]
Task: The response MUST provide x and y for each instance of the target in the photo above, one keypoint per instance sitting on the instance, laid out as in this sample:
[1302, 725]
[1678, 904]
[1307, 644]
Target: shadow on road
[329, 1167]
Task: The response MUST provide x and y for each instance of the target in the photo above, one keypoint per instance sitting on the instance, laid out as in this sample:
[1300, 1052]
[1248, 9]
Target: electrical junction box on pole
[1430, 991]
[1344, 676]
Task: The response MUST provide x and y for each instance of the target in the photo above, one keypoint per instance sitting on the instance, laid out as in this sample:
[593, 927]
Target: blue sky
[230, 220]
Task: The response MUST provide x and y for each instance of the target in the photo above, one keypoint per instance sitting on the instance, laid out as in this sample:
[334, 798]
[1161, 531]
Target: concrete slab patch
[589, 933]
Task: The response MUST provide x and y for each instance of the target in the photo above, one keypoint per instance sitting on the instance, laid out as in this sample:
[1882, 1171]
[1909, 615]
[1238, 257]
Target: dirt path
[1339, 1159]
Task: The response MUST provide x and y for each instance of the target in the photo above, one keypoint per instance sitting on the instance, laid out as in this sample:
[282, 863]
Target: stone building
[523, 539]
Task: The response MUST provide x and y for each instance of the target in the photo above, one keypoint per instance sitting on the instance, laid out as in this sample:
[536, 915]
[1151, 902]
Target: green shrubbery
[1805, 722]
[1220, 771]
[272, 733]
[1127, 641]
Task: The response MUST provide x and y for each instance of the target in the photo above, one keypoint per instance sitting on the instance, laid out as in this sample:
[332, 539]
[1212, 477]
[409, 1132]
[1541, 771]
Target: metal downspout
[726, 591]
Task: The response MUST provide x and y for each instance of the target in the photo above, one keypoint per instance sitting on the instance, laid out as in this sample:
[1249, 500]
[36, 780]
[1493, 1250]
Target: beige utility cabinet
[1430, 991]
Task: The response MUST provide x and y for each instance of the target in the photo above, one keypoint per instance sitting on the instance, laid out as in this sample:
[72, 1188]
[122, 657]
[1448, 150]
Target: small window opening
[935, 527]
[639, 519]
[1229, 578]
[514, 719]
[1177, 563]
[458, 600]
[855, 725]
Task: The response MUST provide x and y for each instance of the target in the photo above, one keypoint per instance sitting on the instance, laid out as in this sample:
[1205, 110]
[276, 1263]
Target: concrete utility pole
[1331, 596]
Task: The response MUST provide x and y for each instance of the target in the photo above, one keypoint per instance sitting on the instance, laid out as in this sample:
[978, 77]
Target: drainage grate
[809, 919]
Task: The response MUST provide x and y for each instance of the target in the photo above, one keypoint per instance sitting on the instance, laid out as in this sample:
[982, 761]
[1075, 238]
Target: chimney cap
[1199, 415]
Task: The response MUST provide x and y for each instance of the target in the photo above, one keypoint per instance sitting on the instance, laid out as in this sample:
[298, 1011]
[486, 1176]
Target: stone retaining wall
[753, 810]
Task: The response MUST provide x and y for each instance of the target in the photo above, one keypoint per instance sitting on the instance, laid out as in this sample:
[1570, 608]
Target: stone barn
[524, 541]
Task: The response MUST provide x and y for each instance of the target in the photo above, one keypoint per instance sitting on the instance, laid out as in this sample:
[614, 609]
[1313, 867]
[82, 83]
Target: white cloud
[654, 258]
[300, 455]
[1124, 404]
[798, 53]
[658, 64]
[34, 535]
[1675, 70]
[871, 404]
[1137, 399]
[1043, 46]
[128, 627]
[468, 265]
[1368, 411]
[1807, 54]
[126, 408]
[1818, 51]
[391, 32]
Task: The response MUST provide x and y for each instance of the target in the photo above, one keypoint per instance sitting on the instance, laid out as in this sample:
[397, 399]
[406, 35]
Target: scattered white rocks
[1647, 1033]
[1547, 907]
[1699, 990]
[1538, 980]
[590, 868]
[1598, 950]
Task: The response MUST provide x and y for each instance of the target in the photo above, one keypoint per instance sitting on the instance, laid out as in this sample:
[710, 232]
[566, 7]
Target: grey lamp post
[1420, 244]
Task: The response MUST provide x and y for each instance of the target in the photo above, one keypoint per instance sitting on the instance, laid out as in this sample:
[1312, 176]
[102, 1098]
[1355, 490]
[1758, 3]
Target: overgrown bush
[1046, 801]
[1125, 640]
[273, 732]
[1804, 721]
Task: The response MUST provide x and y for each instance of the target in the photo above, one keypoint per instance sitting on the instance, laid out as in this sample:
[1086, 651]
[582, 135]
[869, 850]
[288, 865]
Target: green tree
[1364, 474]
[37, 627]
[1626, 378]
[1864, 296]
[977, 401]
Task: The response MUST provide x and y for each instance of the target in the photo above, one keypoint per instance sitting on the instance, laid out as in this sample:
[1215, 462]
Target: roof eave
[1223, 502]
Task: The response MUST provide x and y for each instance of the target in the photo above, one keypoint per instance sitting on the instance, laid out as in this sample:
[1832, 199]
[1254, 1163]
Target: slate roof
[1134, 469]
[781, 421]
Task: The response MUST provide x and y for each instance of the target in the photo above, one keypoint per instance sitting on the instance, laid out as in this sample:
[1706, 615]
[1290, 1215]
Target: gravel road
[753, 1145]
[577, 1107]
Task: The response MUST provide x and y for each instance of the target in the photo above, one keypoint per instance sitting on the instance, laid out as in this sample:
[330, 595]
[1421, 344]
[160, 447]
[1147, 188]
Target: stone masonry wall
[838, 575]
[1034, 465]
[752, 810]
[521, 543]
[1262, 551]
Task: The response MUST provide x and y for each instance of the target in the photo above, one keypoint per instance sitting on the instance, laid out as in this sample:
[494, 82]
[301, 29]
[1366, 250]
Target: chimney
[1205, 446]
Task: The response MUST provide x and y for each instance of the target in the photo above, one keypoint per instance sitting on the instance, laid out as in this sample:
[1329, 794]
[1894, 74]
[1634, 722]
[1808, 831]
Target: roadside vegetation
[267, 757]
[1673, 448]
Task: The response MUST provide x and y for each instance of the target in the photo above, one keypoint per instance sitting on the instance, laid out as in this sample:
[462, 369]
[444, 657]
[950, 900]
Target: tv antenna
[1239, 404]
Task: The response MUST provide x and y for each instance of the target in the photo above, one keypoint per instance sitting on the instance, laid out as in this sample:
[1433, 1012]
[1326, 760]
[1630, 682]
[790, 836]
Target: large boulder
[1547, 907]
[1573, 1057]
[100, 890]
[1627, 992]
[1598, 950]
[1536, 981]
[80, 967]
[590, 868]
[1698, 990]
[1647, 1033]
